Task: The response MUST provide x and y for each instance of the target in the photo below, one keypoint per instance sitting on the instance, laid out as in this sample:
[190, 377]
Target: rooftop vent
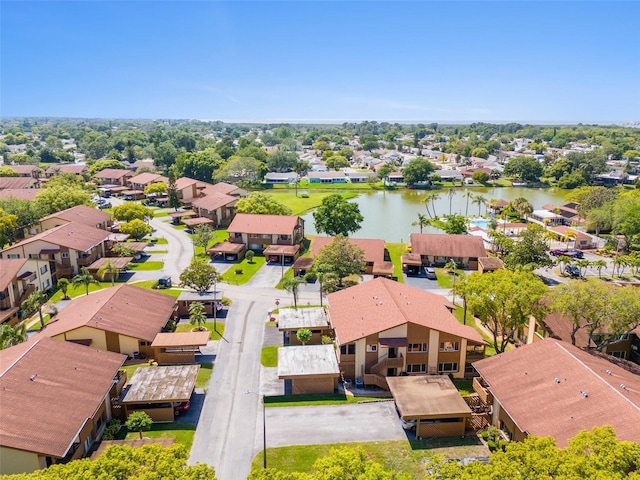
[584, 394]
[33, 377]
[623, 386]
[557, 380]
[608, 372]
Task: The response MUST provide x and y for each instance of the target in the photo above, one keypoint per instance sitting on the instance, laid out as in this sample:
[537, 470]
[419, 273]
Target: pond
[389, 214]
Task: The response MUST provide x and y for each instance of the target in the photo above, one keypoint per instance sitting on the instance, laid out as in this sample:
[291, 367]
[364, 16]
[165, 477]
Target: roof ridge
[12, 364]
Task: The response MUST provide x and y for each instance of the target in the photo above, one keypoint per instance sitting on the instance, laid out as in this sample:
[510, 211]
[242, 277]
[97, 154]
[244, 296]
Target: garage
[433, 402]
[310, 368]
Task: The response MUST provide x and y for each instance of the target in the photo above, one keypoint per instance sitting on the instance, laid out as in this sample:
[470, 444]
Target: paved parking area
[364, 422]
[267, 277]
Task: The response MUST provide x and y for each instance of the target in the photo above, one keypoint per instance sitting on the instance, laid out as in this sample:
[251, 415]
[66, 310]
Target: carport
[311, 368]
[302, 265]
[230, 252]
[411, 263]
[157, 390]
[194, 222]
[382, 269]
[210, 300]
[118, 262]
[433, 402]
[176, 216]
[178, 347]
[281, 254]
[290, 320]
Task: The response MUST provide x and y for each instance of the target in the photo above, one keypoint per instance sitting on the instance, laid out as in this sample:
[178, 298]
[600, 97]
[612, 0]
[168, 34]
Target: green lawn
[248, 270]
[80, 290]
[157, 252]
[146, 266]
[465, 387]
[157, 214]
[216, 333]
[182, 432]
[445, 279]
[395, 251]
[399, 456]
[182, 226]
[149, 284]
[317, 399]
[300, 205]
[472, 322]
[204, 374]
[269, 356]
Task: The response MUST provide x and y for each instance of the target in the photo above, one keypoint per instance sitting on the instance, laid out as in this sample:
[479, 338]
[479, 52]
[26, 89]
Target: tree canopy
[200, 276]
[131, 211]
[337, 216]
[525, 168]
[341, 258]
[136, 228]
[418, 170]
[261, 204]
[530, 251]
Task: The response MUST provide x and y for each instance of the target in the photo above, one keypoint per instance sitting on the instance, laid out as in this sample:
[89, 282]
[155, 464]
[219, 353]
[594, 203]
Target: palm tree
[422, 222]
[600, 264]
[197, 315]
[434, 196]
[291, 284]
[467, 194]
[567, 237]
[109, 268]
[84, 278]
[34, 302]
[451, 193]
[10, 336]
[480, 200]
[451, 266]
[323, 274]
[63, 285]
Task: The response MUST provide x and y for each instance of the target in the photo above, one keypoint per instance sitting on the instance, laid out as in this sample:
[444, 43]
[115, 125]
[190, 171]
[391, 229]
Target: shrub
[112, 429]
[249, 256]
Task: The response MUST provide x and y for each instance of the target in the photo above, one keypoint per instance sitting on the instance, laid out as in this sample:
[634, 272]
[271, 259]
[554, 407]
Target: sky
[327, 61]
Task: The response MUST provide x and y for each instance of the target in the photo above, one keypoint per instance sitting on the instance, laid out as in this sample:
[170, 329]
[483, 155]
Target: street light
[264, 428]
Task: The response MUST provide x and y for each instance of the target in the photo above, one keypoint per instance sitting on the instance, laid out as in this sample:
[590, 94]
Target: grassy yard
[149, 284]
[472, 322]
[247, 270]
[146, 266]
[395, 252]
[216, 334]
[317, 399]
[399, 456]
[182, 432]
[445, 279]
[300, 205]
[465, 387]
[157, 252]
[80, 290]
[269, 356]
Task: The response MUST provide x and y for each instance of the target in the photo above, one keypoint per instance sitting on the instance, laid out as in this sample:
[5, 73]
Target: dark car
[566, 252]
[572, 271]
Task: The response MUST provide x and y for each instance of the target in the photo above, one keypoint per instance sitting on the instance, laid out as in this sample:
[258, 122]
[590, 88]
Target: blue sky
[542, 61]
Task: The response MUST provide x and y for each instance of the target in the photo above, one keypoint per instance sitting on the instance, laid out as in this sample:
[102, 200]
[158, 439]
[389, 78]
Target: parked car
[164, 282]
[104, 205]
[566, 252]
[408, 424]
[430, 273]
[127, 197]
[572, 271]
[181, 408]
[188, 230]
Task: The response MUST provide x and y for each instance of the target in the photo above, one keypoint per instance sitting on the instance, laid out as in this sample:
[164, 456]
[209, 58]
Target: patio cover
[192, 222]
[137, 247]
[394, 342]
[120, 262]
[133, 192]
[181, 339]
[289, 250]
[384, 269]
[181, 214]
[296, 318]
[49, 251]
[226, 247]
[114, 189]
[173, 383]
[411, 259]
[303, 263]
[427, 396]
[490, 263]
[118, 237]
[303, 360]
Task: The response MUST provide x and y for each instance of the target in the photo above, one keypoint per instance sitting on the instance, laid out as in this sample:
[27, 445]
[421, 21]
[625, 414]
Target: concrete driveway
[267, 277]
[364, 422]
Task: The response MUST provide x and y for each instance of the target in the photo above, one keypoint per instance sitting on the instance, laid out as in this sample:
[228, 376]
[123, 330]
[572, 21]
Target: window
[468, 368]
[237, 235]
[417, 368]
[43, 269]
[448, 367]
[620, 338]
[349, 349]
[621, 354]
[65, 254]
[266, 236]
[46, 284]
[449, 346]
[372, 348]
[475, 349]
[13, 255]
[417, 347]
[34, 255]
[88, 442]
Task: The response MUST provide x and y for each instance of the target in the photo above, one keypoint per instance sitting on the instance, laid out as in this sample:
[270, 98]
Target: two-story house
[283, 233]
[145, 179]
[19, 278]
[438, 249]
[71, 168]
[385, 328]
[67, 248]
[376, 256]
[113, 176]
[81, 214]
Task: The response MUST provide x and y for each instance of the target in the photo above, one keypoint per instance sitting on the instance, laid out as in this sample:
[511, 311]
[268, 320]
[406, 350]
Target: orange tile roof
[382, 304]
[71, 235]
[49, 390]
[524, 382]
[81, 214]
[9, 268]
[442, 245]
[373, 248]
[263, 224]
[126, 309]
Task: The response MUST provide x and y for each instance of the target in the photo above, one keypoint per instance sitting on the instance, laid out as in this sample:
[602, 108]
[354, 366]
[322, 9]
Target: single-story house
[361, 177]
[580, 239]
[449, 175]
[19, 278]
[281, 177]
[55, 402]
[438, 249]
[433, 402]
[551, 388]
[327, 177]
[385, 328]
[158, 390]
[309, 368]
[290, 320]
[123, 319]
[257, 232]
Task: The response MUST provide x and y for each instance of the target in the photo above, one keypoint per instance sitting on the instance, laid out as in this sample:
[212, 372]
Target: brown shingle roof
[112, 173]
[71, 235]
[212, 201]
[181, 339]
[263, 224]
[147, 178]
[81, 214]
[560, 327]
[524, 382]
[381, 304]
[73, 168]
[184, 182]
[373, 248]
[70, 382]
[15, 182]
[442, 245]
[490, 263]
[9, 268]
[19, 193]
[126, 309]
[23, 169]
[220, 187]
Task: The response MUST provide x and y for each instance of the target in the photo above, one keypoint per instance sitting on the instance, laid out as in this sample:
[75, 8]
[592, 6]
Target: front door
[393, 352]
